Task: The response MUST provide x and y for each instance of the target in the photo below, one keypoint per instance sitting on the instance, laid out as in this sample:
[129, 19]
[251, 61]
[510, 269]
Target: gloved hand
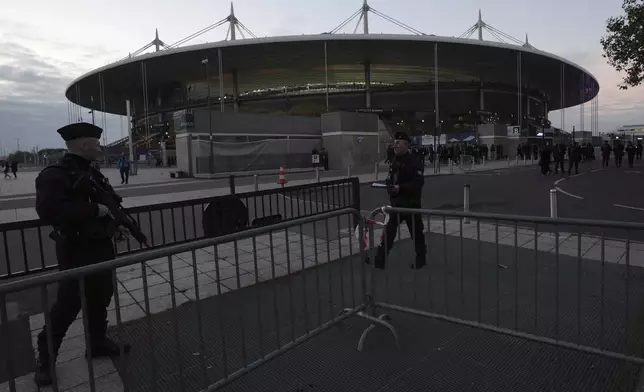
[103, 211]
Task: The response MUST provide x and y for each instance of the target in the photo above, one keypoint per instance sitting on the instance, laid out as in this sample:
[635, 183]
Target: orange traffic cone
[282, 176]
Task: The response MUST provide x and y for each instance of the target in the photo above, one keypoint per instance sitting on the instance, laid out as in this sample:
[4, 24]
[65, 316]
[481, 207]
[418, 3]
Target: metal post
[377, 168]
[256, 180]
[517, 161]
[483, 161]
[508, 160]
[326, 76]
[211, 158]
[553, 203]
[466, 202]
[349, 171]
[231, 180]
[128, 113]
[451, 167]
[436, 112]
[221, 80]
[317, 174]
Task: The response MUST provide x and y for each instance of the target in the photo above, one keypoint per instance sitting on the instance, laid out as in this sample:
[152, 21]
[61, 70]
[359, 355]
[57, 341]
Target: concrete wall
[351, 139]
[255, 123]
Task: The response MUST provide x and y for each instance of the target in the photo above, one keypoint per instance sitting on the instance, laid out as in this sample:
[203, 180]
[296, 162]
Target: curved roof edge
[330, 37]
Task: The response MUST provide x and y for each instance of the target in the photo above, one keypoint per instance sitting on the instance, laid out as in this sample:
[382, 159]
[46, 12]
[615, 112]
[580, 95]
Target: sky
[44, 45]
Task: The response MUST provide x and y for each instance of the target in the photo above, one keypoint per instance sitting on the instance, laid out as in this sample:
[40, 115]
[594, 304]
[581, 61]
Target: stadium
[255, 103]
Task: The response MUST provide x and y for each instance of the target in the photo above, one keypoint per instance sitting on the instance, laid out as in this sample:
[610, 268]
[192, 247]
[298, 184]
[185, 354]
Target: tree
[624, 44]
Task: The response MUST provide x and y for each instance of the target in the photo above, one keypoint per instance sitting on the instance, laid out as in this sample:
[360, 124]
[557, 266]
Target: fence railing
[26, 248]
[284, 290]
[537, 278]
[201, 314]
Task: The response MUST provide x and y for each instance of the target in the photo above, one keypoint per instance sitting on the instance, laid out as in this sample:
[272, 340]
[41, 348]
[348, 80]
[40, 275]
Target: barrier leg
[466, 201]
[553, 203]
[349, 171]
[317, 173]
[256, 181]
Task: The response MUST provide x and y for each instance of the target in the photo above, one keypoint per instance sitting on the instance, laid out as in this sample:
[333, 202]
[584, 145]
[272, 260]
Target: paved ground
[611, 194]
[154, 183]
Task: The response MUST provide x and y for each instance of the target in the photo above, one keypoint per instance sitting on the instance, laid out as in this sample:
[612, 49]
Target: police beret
[402, 136]
[79, 130]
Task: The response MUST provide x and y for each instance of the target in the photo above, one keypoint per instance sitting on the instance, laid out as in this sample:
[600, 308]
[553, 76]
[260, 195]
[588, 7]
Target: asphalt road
[598, 194]
[173, 186]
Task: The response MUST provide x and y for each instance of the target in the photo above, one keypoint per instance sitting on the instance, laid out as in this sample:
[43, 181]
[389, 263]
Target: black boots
[42, 376]
[104, 348]
[107, 348]
[419, 262]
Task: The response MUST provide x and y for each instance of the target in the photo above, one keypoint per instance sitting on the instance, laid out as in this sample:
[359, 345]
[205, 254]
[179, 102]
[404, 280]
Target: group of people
[586, 152]
[10, 166]
[632, 151]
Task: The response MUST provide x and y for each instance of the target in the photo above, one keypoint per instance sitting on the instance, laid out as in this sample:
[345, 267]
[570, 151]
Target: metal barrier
[536, 278]
[196, 335]
[26, 247]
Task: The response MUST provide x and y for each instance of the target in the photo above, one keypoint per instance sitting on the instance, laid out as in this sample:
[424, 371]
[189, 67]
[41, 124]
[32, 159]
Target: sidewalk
[21, 214]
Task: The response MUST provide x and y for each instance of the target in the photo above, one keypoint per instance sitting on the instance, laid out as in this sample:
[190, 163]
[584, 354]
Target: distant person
[574, 156]
[546, 154]
[606, 149]
[325, 158]
[123, 164]
[631, 150]
[618, 152]
[639, 147]
[14, 169]
[7, 167]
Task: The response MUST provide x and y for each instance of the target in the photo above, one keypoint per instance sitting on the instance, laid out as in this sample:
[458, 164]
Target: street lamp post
[211, 159]
[573, 134]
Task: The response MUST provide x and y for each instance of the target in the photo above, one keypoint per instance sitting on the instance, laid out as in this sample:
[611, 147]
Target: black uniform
[606, 149]
[574, 156]
[79, 242]
[406, 171]
[630, 153]
[618, 152]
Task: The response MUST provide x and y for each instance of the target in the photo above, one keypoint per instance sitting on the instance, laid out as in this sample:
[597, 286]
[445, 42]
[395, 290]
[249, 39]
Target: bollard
[349, 171]
[231, 181]
[483, 161]
[517, 161]
[466, 202]
[317, 173]
[508, 161]
[256, 179]
[524, 160]
[451, 167]
[553, 203]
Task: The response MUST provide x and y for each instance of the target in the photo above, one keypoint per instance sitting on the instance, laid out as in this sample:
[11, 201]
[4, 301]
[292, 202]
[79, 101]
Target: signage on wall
[514, 131]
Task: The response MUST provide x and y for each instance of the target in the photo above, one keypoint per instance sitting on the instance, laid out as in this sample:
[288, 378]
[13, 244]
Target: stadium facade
[249, 103]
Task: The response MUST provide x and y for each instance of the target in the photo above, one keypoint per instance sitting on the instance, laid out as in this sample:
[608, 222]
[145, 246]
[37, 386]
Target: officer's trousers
[631, 160]
[415, 226]
[605, 159]
[573, 163]
[618, 160]
[98, 294]
[559, 164]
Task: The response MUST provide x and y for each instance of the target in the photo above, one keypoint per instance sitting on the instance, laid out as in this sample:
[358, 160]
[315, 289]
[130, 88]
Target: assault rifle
[105, 195]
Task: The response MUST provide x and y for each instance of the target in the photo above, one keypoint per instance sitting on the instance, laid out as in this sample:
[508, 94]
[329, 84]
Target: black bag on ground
[224, 215]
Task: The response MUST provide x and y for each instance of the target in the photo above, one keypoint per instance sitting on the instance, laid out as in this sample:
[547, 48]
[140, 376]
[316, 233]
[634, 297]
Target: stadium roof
[286, 61]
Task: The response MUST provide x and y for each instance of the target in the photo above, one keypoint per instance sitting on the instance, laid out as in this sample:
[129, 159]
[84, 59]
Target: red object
[282, 175]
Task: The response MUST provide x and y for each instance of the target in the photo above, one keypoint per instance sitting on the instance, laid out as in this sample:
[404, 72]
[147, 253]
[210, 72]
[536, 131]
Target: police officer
[405, 184]
[71, 212]
[574, 156]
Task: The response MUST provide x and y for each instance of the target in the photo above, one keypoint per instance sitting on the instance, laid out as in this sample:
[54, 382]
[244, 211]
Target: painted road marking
[559, 180]
[569, 194]
[629, 207]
